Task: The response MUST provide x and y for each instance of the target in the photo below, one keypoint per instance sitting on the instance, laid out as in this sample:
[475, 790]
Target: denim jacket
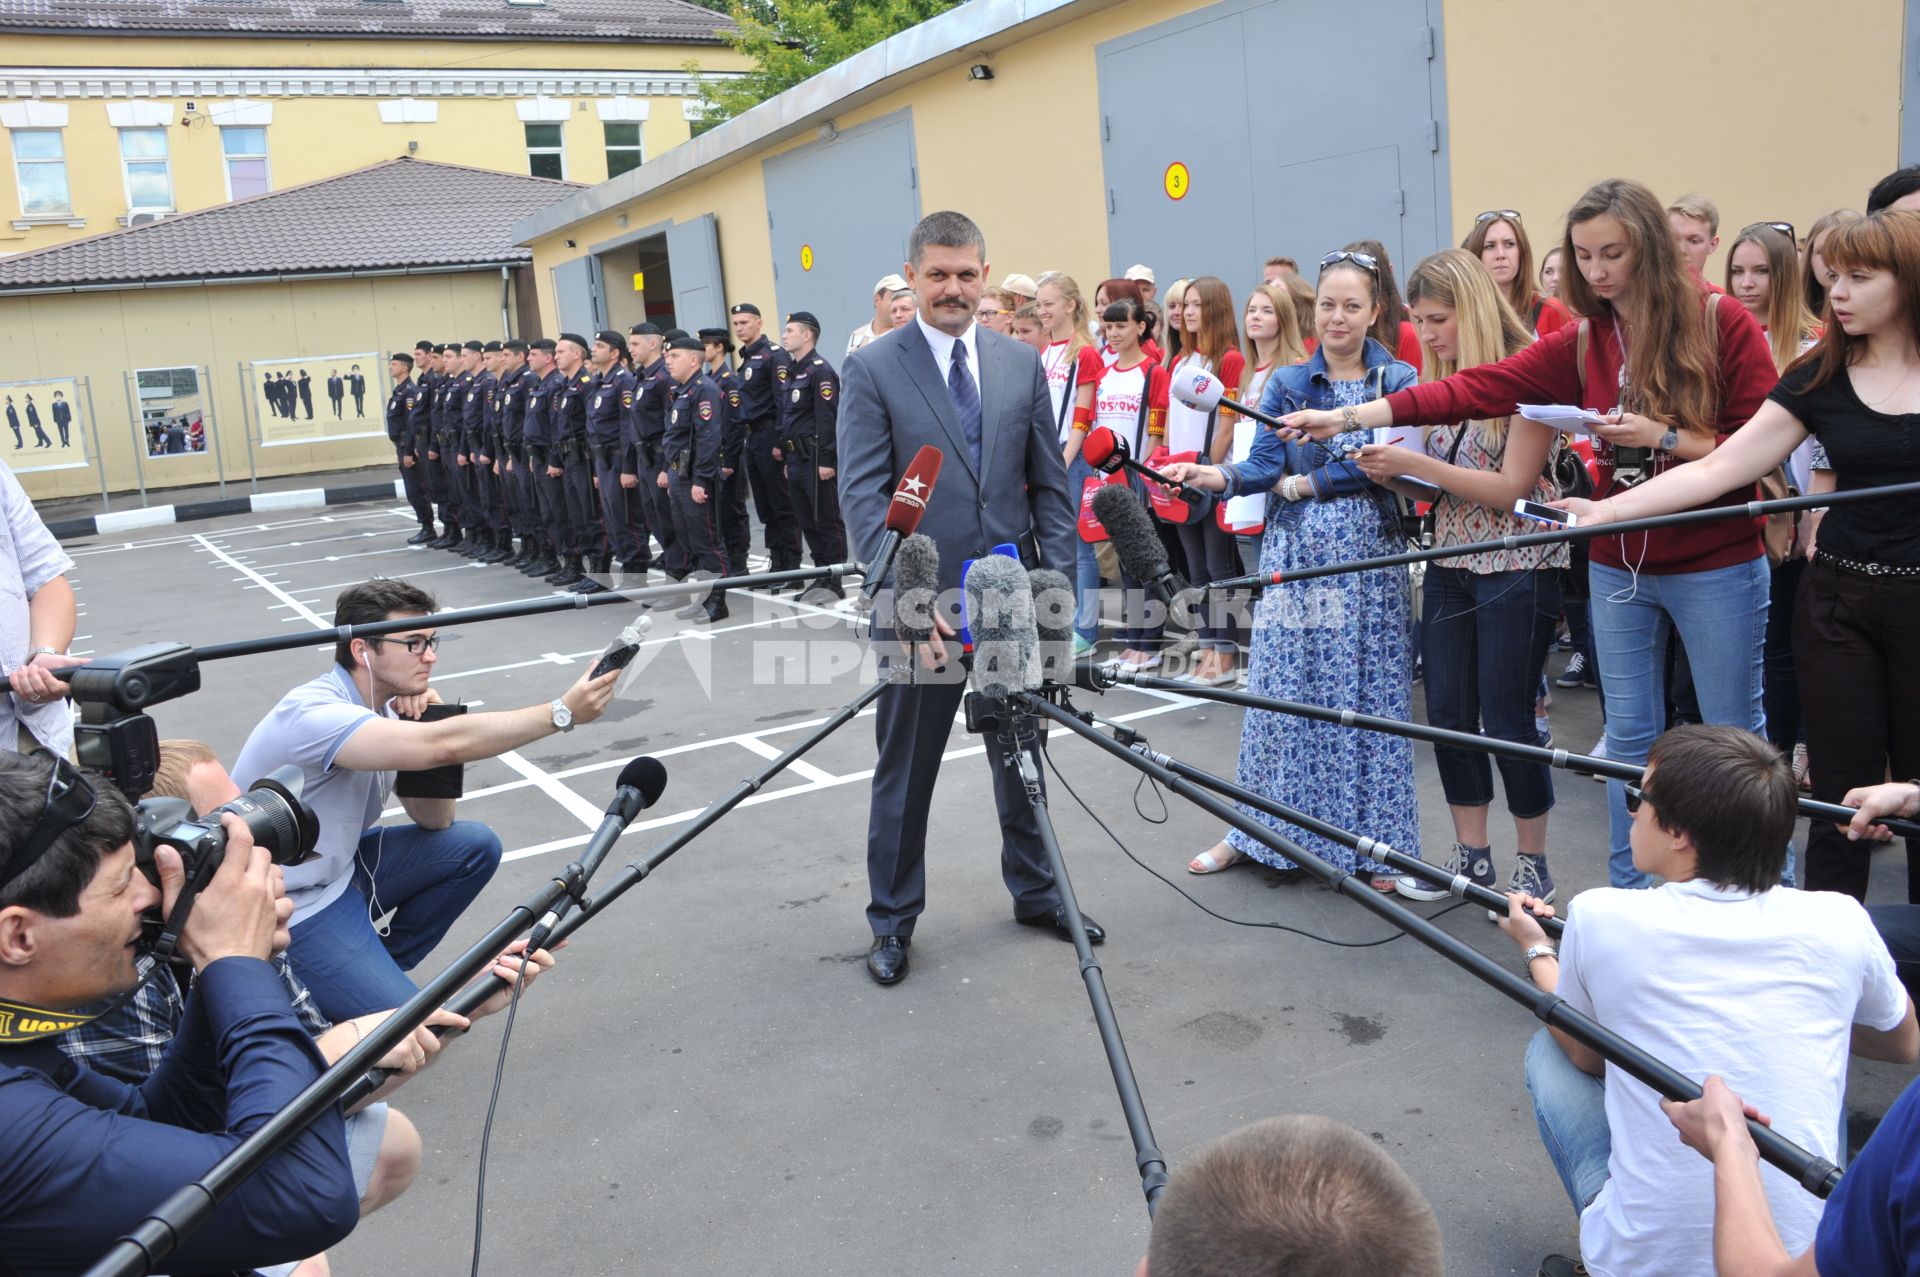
[1307, 385]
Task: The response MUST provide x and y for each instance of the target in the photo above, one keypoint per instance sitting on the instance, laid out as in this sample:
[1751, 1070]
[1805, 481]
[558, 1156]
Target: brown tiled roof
[398, 213]
[649, 21]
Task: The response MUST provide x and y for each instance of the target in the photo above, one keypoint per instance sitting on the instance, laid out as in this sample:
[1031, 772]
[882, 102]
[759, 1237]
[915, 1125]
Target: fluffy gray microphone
[916, 588]
[1138, 546]
[1053, 612]
[1000, 617]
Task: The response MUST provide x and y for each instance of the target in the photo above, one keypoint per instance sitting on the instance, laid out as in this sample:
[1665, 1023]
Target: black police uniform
[813, 407]
[695, 422]
[477, 413]
[549, 491]
[454, 507]
[608, 408]
[583, 536]
[510, 410]
[420, 435]
[762, 381]
[736, 530]
[400, 407]
[654, 392]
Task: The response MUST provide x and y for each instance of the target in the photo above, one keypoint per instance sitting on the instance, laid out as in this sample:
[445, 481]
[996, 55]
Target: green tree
[790, 42]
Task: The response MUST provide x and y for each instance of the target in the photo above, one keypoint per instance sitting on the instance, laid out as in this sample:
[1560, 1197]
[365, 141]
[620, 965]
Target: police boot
[447, 539]
[425, 536]
[604, 564]
[567, 573]
[544, 560]
[472, 545]
[502, 548]
[522, 556]
[716, 606]
[585, 585]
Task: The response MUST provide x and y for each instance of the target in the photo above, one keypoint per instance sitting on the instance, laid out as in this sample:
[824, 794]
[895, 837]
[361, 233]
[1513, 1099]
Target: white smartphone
[1544, 513]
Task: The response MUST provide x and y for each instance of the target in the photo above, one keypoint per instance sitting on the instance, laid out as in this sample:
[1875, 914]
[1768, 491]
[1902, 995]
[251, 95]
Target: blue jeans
[1722, 616]
[1086, 568]
[1899, 927]
[1483, 638]
[428, 877]
[1570, 1108]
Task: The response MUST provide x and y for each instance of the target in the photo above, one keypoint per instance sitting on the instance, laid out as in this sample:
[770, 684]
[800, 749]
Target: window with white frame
[245, 153]
[623, 147]
[143, 159]
[546, 151]
[40, 166]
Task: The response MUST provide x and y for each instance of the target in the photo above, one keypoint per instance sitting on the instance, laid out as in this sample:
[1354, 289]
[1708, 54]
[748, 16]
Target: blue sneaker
[1530, 877]
[1475, 863]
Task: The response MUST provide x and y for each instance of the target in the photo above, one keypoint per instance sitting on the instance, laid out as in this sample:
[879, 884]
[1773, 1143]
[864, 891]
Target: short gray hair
[945, 229]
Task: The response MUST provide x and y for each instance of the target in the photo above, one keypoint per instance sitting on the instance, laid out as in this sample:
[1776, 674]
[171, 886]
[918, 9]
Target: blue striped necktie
[966, 400]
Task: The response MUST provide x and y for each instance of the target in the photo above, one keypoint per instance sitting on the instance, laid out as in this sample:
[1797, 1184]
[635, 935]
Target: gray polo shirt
[307, 728]
[29, 558]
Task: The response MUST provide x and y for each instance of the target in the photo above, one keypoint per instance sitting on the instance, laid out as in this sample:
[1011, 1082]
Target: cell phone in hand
[1544, 513]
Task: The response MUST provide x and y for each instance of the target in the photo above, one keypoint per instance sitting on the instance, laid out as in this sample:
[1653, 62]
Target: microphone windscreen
[646, 774]
[1137, 545]
[1197, 388]
[916, 588]
[1000, 615]
[1054, 607]
[911, 494]
[1103, 450]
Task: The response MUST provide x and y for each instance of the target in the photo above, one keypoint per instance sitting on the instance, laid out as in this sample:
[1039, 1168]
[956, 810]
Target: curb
[258, 503]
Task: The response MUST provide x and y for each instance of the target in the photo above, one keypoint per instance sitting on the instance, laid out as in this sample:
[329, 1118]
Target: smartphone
[1544, 513]
[615, 658]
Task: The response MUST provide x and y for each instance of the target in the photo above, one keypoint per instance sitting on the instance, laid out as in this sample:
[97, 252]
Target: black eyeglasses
[1637, 794]
[1365, 261]
[69, 801]
[1785, 228]
[415, 645]
[1498, 215]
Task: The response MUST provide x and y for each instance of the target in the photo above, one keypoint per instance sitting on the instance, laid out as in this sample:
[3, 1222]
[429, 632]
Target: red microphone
[1107, 452]
[909, 503]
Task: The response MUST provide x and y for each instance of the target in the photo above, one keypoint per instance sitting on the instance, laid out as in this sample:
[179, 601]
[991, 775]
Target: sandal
[1385, 884]
[1212, 861]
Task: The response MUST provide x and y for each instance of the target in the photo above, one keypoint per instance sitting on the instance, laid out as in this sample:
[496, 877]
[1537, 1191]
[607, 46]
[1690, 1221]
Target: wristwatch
[1669, 441]
[562, 716]
[1542, 951]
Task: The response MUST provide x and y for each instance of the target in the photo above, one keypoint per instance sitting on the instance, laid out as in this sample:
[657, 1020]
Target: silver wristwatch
[1669, 441]
[1542, 951]
[562, 716]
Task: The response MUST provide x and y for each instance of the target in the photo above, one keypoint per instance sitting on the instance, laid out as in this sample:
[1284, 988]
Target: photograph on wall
[173, 414]
[318, 398]
[45, 430]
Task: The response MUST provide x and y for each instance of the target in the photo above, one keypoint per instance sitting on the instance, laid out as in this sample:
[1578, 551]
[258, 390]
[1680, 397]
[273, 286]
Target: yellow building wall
[102, 336]
[1721, 128]
[316, 137]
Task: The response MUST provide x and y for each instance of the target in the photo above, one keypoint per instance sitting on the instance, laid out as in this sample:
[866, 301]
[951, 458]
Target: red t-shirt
[1544, 373]
[1116, 402]
[1409, 350]
[1550, 315]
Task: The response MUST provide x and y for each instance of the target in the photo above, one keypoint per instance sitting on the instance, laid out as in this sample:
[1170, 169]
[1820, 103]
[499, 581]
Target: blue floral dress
[1343, 642]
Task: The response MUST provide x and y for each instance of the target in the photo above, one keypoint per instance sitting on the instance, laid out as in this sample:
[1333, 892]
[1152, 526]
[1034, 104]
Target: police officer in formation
[807, 446]
[696, 425]
[616, 481]
[653, 389]
[763, 376]
[400, 408]
[735, 530]
[543, 461]
[445, 452]
[585, 543]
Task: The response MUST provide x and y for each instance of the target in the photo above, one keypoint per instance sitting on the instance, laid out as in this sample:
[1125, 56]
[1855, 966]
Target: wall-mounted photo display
[317, 398]
[44, 428]
[173, 415]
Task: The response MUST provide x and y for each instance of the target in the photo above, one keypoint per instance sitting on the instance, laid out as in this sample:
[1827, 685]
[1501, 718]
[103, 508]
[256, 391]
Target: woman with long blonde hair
[1670, 367]
[1073, 366]
[1211, 344]
[1171, 303]
[1486, 619]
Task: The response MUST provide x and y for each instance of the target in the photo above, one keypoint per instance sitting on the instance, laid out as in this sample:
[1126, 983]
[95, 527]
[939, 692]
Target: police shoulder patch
[826, 390]
[706, 410]
[626, 399]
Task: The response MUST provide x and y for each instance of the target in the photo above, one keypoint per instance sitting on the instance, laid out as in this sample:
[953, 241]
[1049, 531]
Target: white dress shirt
[942, 345]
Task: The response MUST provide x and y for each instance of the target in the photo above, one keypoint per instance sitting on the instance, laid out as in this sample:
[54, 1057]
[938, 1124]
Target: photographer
[377, 899]
[89, 1157]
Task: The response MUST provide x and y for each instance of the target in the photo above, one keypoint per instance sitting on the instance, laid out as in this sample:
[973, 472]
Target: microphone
[1142, 557]
[999, 599]
[624, 647]
[641, 783]
[916, 588]
[1107, 452]
[1053, 613]
[909, 502]
[1203, 392]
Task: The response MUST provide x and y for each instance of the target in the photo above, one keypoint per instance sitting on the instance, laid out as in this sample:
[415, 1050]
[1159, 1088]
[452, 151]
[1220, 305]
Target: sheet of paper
[1564, 417]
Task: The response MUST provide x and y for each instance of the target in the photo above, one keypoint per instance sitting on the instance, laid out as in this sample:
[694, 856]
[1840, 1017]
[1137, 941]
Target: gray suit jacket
[894, 398]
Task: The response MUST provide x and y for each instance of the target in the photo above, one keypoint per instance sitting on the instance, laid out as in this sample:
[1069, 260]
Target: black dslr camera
[272, 811]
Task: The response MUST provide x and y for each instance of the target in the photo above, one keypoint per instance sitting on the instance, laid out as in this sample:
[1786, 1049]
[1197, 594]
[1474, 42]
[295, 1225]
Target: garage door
[1321, 129]
[840, 212]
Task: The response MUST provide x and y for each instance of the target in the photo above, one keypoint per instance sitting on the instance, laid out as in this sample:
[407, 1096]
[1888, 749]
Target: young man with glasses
[377, 899]
[1720, 970]
[89, 1157]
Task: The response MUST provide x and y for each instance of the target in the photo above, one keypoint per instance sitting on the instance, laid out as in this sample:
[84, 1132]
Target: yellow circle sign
[806, 257]
[1176, 181]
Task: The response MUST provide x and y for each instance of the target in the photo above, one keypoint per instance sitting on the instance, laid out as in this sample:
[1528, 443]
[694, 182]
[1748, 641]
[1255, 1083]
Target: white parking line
[305, 612]
[588, 814]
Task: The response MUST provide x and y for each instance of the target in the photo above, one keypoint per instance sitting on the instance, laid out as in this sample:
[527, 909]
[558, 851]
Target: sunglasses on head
[1785, 228]
[1637, 794]
[1498, 215]
[69, 801]
[1365, 261]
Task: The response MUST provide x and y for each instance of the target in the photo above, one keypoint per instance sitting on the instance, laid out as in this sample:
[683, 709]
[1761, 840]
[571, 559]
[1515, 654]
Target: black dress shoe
[1057, 920]
[887, 959]
[424, 535]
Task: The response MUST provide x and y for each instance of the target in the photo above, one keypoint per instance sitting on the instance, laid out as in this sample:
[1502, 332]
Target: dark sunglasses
[1365, 261]
[1637, 794]
[1785, 228]
[69, 801]
[415, 645]
[1498, 215]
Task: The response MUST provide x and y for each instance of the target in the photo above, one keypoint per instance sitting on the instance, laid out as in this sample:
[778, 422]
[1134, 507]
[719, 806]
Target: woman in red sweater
[1674, 371]
[1500, 242]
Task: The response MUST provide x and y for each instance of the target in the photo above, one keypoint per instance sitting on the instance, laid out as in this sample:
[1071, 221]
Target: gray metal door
[693, 254]
[840, 212]
[576, 296]
[1293, 155]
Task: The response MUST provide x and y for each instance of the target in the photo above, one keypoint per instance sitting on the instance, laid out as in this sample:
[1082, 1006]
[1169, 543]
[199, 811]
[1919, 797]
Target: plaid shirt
[128, 1042]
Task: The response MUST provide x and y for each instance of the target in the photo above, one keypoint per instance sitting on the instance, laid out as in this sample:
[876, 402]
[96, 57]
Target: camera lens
[276, 817]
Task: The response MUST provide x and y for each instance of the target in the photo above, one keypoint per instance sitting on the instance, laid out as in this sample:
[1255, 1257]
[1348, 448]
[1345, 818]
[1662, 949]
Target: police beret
[480, 346]
[674, 334]
[612, 338]
[542, 343]
[424, 345]
[684, 342]
[744, 308]
[403, 358]
[492, 348]
[517, 346]
[720, 335]
[645, 330]
[576, 339]
[805, 317]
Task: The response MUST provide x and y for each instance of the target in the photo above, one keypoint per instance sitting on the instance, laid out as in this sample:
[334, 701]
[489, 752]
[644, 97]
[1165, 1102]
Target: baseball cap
[1139, 274]
[1022, 284]
[889, 284]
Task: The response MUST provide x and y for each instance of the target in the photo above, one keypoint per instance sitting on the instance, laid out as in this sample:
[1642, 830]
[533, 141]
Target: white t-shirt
[1186, 427]
[1762, 990]
[1244, 512]
[1116, 403]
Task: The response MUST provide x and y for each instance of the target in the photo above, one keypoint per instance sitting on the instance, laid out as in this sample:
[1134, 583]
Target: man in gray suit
[980, 398]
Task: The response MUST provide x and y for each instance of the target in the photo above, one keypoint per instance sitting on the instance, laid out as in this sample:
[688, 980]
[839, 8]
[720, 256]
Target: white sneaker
[1134, 667]
[1599, 750]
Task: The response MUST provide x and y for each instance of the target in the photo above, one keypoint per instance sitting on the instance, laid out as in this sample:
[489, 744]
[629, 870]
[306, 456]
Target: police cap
[684, 342]
[402, 357]
[805, 317]
[645, 330]
[744, 308]
[479, 346]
